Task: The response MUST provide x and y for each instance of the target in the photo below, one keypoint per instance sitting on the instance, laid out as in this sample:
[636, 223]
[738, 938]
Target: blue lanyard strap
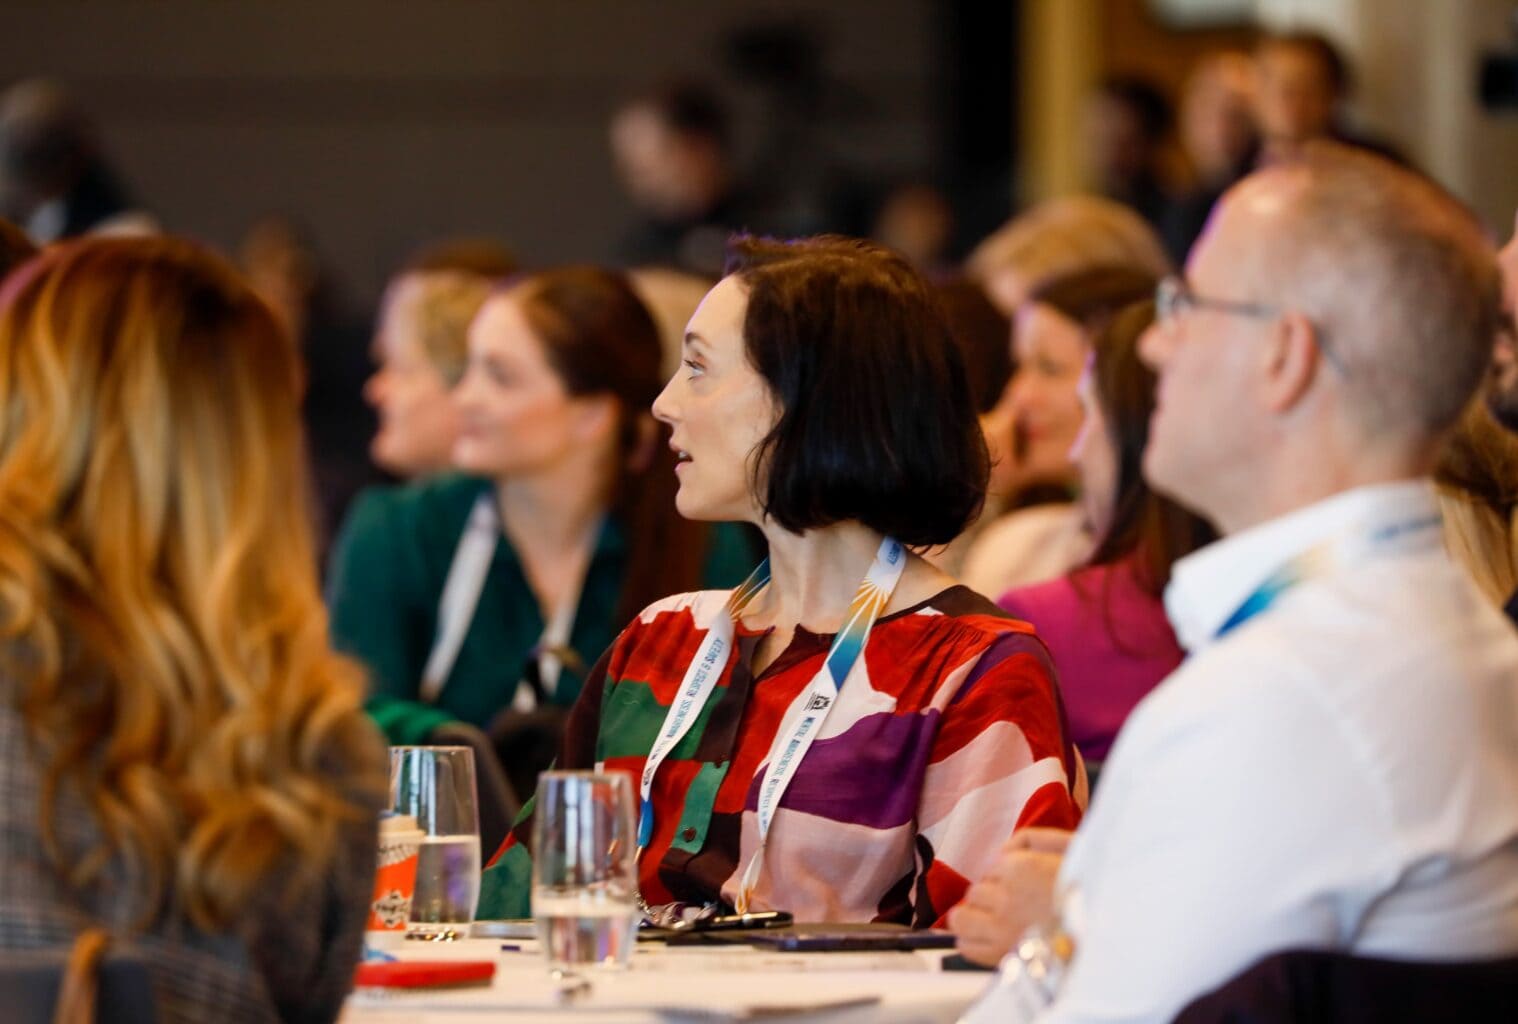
[1318, 561]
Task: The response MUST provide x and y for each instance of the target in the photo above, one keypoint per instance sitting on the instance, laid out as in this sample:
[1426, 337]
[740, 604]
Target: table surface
[719, 983]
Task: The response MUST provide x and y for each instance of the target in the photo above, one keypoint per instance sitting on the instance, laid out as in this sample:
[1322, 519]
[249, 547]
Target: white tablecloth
[683, 984]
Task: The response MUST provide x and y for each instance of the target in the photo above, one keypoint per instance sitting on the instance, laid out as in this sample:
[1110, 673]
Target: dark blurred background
[375, 125]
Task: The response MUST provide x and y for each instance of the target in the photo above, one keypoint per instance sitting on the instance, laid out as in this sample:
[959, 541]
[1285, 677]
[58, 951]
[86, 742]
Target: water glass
[584, 869]
[435, 785]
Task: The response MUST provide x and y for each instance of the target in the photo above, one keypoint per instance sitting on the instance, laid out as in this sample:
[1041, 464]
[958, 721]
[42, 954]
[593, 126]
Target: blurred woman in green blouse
[492, 589]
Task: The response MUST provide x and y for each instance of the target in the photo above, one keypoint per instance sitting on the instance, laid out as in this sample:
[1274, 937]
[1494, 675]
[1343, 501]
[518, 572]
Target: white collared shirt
[1340, 771]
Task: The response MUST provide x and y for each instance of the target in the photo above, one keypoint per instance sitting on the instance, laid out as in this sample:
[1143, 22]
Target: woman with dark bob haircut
[849, 735]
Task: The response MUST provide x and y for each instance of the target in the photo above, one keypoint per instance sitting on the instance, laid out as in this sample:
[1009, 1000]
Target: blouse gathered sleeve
[373, 597]
[1001, 761]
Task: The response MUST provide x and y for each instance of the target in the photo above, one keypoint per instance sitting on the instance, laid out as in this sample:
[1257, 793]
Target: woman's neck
[554, 511]
[815, 575]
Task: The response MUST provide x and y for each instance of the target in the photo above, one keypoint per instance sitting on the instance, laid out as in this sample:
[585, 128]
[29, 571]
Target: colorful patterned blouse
[947, 735]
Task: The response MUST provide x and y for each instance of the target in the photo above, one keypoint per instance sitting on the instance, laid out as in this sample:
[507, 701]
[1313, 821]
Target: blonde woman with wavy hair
[183, 760]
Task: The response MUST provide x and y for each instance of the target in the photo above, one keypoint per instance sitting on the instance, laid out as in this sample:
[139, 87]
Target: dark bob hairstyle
[876, 420]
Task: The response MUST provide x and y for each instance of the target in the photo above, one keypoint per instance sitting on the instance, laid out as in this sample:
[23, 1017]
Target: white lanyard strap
[461, 594]
[805, 718]
[555, 635]
[700, 677]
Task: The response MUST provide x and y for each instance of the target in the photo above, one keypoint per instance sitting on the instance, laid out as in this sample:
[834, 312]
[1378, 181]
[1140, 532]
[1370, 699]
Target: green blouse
[388, 567]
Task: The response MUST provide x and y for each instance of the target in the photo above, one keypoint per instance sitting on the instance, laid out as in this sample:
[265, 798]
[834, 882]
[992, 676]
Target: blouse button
[689, 835]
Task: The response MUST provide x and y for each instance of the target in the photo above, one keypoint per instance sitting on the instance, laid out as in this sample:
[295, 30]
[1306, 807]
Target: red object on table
[424, 973]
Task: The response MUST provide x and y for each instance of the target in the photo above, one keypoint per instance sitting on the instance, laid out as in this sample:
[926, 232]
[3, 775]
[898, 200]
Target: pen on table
[510, 947]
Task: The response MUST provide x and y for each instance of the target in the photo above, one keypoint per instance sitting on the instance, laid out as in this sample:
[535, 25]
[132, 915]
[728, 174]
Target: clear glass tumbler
[584, 869]
[435, 785]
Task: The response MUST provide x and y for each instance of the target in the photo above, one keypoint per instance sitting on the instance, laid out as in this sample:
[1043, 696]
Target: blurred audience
[673, 153]
[1303, 82]
[1060, 237]
[474, 593]
[54, 178]
[283, 266]
[1218, 138]
[982, 333]
[1104, 622]
[1053, 333]
[421, 347]
[186, 763]
[1342, 316]
[1128, 122]
[917, 221]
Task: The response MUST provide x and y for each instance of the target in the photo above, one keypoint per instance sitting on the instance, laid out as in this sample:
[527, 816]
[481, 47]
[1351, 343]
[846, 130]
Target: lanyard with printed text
[695, 688]
[807, 712]
[803, 721]
[1322, 559]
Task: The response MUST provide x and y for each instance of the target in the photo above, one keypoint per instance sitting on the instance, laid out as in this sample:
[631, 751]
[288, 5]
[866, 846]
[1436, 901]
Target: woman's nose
[665, 409]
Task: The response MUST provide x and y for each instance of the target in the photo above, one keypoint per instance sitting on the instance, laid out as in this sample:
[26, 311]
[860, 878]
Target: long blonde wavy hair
[159, 609]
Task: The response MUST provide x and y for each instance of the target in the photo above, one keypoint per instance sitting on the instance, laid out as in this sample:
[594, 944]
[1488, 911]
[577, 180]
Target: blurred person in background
[981, 332]
[1060, 237]
[475, 594]
[1302, 83]
[1053, 334]
[54, 178]
[917, 221]
[672, 148]
[1127, 125]
[421, 347]
[1105, 621]
[187, 765]
[283, 266]
[1218, 138]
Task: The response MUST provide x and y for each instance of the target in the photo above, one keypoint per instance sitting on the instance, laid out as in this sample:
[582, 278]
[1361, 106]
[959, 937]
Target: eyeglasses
[1174, 297]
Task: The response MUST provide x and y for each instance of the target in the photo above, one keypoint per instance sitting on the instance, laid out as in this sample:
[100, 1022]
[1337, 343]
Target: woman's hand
[1017, 892]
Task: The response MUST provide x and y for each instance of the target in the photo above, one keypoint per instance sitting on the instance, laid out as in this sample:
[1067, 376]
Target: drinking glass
[435, 785]
[584, 869]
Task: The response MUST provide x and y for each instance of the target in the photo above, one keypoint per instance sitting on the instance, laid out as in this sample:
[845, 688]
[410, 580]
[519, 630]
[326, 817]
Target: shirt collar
[1208, 586]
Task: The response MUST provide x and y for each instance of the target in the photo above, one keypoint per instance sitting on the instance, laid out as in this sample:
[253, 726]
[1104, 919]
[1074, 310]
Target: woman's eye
[695, 368]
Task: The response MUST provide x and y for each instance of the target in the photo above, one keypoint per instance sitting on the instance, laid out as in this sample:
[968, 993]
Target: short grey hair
[1398, 278]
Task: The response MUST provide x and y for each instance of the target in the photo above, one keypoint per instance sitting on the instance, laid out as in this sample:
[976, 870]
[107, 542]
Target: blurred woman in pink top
[1105, 621]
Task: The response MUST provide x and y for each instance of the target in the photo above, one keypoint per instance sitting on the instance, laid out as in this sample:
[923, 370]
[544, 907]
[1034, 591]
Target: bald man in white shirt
[1335, 766]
